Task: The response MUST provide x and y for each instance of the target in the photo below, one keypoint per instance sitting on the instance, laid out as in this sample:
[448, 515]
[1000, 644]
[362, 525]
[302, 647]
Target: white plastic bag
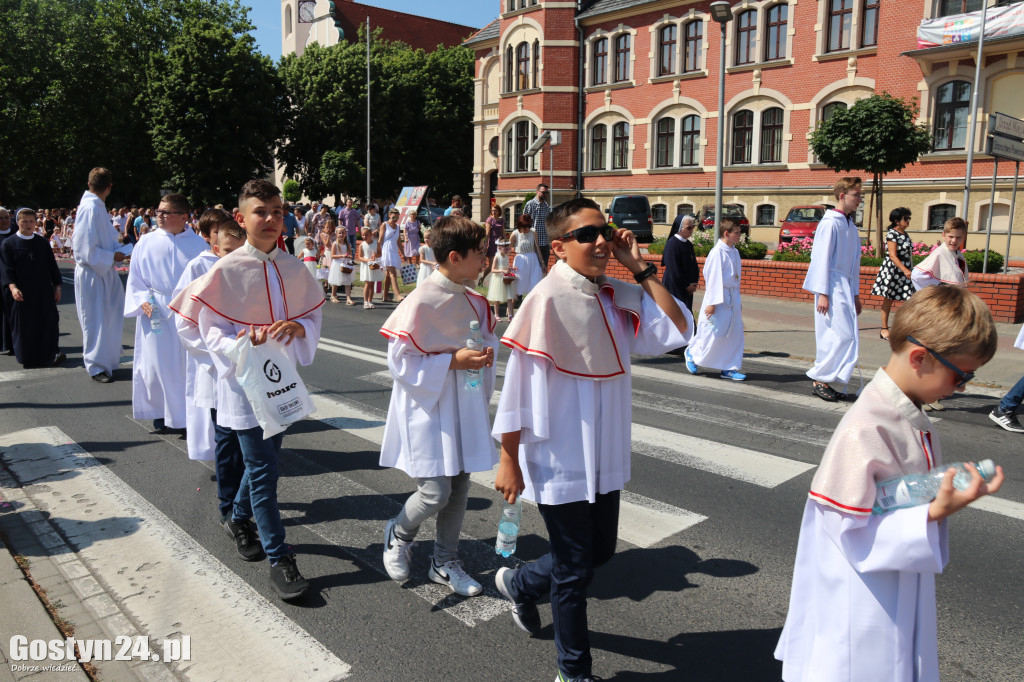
[273, 386]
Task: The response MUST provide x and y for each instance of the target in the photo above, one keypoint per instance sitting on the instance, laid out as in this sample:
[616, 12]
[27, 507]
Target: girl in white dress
[390, 259]
[499, 290]
[341, 260]
[427, 260]
[527, 262]
[308, 257]
[369, 268]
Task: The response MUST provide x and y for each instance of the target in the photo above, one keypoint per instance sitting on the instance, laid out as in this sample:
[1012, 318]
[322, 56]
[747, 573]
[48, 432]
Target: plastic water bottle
[508, 528]
[912, 490]
[155, 323]
[474, 342]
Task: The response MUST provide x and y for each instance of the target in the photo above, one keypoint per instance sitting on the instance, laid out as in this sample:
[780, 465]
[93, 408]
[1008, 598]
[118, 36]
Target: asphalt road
[699, 587]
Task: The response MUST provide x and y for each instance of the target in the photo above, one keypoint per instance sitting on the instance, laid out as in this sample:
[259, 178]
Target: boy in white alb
[945, 264]
[437, 427]
[565, 413]
[158, 375]
[221, 305]
[834, 278]
[863, 600]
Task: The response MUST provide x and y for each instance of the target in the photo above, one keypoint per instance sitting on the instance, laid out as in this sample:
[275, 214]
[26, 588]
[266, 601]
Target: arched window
[665, 143]
[869, 24]
[694, 37]
[536, 63]
[830, 109]
[742, 135]
[776, 45]
[667, 50]
[840, 22]
[599, 63]
[684, 209]
[952, 104]
[659, 213]
[288, 20]
[746, 37]
[518, 138]
[620, 145]
[622, 58]
[523, 67]
[771, 135]
[764, 214]
[938, 214]
[689, 152]
[599, 147]
[509, 82]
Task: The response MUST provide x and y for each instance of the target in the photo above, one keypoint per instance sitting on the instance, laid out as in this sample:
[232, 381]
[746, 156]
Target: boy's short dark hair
[100, 179]
[728, 224]
[178, 202]
[213, 217]
[232, 229]
[558, 220]
[950, 320]
[456, 233]
[258, 189]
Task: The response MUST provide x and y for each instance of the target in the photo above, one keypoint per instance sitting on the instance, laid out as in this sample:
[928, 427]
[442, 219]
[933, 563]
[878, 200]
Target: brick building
[639, 78]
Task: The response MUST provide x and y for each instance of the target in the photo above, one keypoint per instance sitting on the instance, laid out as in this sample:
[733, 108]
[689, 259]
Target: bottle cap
[474, 325]
[987, 468]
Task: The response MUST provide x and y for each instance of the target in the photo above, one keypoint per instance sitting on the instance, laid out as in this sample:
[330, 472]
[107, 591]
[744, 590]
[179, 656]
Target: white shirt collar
[31, 236]
[438, 278]
[574, 278]
[906, 407]
[251, 250]
[681, 238]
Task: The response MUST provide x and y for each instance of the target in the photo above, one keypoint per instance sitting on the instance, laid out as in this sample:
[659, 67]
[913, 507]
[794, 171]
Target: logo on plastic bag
[272, 371]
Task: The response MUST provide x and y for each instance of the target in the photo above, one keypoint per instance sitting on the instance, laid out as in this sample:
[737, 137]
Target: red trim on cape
[635, 315]
[927, 449]
[407, 335]
[511, 343]
[830, 501]
[185, 316]
[284, 295]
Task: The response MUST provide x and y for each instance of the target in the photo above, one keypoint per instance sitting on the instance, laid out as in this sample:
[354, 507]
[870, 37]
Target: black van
[633, 212]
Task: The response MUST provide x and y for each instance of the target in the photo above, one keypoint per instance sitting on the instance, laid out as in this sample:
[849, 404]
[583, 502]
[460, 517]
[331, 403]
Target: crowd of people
[564, 413]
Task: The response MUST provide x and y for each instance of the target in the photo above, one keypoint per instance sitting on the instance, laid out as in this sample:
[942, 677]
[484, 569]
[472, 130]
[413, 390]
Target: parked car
[428, 215]
[706, 217]
[802, 221]
[633, 212]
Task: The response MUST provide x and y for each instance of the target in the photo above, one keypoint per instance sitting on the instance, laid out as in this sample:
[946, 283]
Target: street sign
[1006, 126]
[1005, 148]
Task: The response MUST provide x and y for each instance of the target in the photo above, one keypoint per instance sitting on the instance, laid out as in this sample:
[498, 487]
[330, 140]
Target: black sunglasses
[588, 233]
[964, 376]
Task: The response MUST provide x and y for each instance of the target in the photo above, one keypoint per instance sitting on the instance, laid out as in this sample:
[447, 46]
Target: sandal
[350, 302]
[334, 299]
[824, 391]
[885, 336]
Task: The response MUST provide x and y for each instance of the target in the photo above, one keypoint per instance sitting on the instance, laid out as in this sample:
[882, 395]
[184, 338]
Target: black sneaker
[1007, 420]
[525, 615]
[286, 579]
[246, 541]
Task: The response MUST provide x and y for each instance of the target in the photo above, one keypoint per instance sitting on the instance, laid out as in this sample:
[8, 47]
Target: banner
[1001, 22]
[409, 202]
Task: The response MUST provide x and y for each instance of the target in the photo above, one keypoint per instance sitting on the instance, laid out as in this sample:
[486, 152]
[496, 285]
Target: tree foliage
[876, 135]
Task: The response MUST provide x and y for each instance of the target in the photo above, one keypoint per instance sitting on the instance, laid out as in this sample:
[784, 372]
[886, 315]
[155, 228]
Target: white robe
[835, 272]
[99, 294]
[200, 375]
[158, 376]
[721, 346]
[575, 441]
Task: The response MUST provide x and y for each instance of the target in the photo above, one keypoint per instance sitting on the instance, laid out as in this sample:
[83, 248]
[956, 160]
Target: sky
[266, 15]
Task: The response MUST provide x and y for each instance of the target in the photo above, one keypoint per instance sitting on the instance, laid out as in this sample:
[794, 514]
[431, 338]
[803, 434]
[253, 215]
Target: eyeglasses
[164, 214]
[854, 194]
[964, 376]
[588, 233]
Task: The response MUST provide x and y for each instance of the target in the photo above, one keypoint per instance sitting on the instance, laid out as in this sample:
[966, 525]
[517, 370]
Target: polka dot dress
[891, 283]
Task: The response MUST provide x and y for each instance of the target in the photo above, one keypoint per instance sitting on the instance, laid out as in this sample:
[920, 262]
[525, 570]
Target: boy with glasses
[565, 413]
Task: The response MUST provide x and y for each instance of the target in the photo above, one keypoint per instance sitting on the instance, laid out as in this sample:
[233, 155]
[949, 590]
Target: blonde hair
[949, 320]
[954, 224]
[844, 185]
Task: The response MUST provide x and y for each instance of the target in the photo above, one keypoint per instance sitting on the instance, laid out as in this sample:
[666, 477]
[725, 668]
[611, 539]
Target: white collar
[439, 279]
[904, 405]
[681, 238]
[28, 238]
[574, 278]
[251, 250]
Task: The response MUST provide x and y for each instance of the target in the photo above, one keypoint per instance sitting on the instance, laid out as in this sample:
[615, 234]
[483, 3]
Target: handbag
[409, 272]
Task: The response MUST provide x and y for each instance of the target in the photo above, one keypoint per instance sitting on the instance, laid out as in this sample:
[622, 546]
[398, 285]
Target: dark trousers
[289, 243]
[545, 253]
[582, 537]
[229, 465]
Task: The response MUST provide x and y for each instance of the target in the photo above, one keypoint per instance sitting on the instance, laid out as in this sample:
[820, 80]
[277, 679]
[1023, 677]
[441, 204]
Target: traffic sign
[1005, 148]
[1006, 126]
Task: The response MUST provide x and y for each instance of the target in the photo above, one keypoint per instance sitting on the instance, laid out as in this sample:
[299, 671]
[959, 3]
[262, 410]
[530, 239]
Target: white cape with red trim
[883, 435]
[945, 266]
[563, 321]
[237, 288]
[435, 317]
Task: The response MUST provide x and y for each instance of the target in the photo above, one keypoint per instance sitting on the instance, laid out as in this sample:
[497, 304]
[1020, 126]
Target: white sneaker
[396, 553]
[452, 574]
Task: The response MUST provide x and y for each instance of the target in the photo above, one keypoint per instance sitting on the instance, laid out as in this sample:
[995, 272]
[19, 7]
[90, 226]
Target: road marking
[46, 372]
[148, 564]
[357, 352]
[998, 505]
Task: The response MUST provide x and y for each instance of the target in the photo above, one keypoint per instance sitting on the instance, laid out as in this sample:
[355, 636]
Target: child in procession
[862, 605]
[370, 271]
[499, 290]
[718, 342]
[427, 260]
[565, 412]
[945, 264]
[341, 260]
[308, 256]
[437, 426]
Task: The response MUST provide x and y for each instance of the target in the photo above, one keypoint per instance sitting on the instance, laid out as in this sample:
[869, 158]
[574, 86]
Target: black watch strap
[651, 269]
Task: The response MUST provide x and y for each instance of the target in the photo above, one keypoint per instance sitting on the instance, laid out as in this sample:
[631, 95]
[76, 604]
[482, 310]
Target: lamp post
[722, 13]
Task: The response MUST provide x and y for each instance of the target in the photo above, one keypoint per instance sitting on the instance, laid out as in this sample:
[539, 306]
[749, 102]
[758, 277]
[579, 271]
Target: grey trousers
[445, 496]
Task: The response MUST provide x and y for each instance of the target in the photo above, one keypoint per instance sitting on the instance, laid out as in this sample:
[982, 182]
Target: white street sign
[1006, 126]
[1005, 148]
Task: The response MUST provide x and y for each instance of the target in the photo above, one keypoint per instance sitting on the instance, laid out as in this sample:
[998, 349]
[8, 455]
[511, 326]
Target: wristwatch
[651, 269]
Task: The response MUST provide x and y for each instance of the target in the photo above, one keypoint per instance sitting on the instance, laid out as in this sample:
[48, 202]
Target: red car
[802, 221]
[706, 217]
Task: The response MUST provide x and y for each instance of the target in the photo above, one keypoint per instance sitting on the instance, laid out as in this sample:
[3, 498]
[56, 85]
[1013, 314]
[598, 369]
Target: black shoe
[59, 359]
[286, 579]
[525, 614]
[1007, 420]
[103, 378]
[246, 542]
[825, 392]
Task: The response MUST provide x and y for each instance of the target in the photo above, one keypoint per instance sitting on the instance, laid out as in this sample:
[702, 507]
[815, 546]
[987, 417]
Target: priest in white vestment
[99, 294]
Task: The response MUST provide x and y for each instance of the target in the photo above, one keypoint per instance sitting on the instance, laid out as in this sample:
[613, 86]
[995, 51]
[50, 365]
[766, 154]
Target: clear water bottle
[912, 490]
[155, 322]
[474, 342]
[508, 527]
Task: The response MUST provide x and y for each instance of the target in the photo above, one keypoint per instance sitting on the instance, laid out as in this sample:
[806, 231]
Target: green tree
[876, 135]
[292, 191]
[215, 111]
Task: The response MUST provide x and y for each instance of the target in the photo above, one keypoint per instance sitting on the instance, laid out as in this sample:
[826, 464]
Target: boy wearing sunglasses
[565, 412]
[862, 605]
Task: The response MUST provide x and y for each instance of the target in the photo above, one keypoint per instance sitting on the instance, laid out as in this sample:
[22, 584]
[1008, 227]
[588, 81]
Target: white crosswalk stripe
[45, 372]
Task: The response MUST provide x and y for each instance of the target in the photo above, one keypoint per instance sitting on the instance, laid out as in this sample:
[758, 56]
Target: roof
[488, 32]
[415, 31]
[606, 6]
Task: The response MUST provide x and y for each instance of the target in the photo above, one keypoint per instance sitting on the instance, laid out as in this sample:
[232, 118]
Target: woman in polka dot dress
[893, 280]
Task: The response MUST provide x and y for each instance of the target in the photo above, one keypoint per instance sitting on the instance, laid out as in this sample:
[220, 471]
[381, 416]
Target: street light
[722, 13]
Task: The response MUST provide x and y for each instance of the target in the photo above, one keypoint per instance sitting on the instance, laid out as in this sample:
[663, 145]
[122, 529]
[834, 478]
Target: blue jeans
[257, 493]
[582, 537]
[229, 466]
[351, 238]
[1012, 400]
